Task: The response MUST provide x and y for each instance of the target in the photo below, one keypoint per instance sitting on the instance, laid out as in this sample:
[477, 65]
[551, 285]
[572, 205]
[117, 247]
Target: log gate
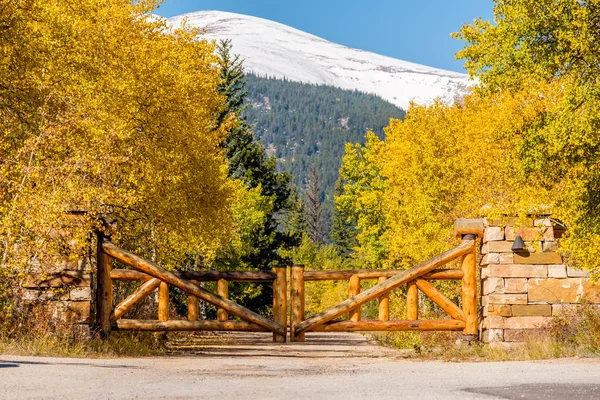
[417, 279]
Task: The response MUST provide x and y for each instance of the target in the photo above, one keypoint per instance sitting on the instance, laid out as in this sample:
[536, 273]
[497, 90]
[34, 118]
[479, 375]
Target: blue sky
[417, 31]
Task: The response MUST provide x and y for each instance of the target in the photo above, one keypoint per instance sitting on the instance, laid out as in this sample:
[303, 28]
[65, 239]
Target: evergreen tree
[313, 207]
[343, 230]
[249, 162]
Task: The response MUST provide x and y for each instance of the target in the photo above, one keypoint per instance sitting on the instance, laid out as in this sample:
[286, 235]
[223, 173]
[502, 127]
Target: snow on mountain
[276, 50]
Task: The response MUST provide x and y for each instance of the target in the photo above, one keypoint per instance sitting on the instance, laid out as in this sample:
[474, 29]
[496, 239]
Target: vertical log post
[353, 290]
[163, 301]
[193, 311]
[223, 291]
[104, 289]
[384, 303]
[469, 290]
[412, 301]
[280, 301]
[297, 301]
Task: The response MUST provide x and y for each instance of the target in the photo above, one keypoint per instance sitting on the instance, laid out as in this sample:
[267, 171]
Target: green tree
[249, 162]
[343, 230]
[313, 207]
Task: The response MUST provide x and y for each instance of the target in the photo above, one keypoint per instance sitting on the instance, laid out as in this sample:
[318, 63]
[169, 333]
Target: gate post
[469, 290]
[297, 301]
[223, 291]
[354, 290]
[280, 301]
[104, 288]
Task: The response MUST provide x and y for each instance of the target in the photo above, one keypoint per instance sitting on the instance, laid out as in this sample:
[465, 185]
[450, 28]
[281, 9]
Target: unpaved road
[334, 366]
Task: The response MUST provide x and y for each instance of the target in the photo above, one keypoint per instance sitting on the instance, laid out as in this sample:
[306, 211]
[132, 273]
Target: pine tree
[343, 231]
[313, 207]
[249, 163]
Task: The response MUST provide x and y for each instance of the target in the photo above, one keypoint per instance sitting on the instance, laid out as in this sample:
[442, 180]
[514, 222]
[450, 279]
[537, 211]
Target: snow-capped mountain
[276, 50]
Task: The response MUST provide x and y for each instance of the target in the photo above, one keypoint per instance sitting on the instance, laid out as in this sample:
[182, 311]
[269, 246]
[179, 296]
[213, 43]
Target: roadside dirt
[327, 366]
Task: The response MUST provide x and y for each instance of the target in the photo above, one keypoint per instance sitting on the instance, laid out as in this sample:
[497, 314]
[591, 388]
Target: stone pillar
[523, 290]
[62, 293]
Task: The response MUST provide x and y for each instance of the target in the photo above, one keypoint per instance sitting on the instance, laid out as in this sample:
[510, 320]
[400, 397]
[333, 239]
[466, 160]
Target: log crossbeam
[397, 280]
[187, 286]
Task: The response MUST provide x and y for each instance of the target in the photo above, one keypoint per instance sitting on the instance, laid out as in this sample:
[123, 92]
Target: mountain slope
[276, 50]
[304, 125]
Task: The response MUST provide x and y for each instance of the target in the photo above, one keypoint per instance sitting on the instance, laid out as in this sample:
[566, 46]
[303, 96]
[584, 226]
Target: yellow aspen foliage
[110, 112]
[362, 198]
[439, 164]
[551, 47]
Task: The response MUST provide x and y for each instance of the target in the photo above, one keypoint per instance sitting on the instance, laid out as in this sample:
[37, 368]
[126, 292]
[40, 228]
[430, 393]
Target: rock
[517, 271]
[507, 299]
[557, 271]
[526, 322]
[493, 233]
[515, 285]
[553, 290]
[540, 310]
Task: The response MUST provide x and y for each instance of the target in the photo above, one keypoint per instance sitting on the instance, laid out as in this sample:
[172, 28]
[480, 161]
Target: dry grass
[35, 335]
[574, 334]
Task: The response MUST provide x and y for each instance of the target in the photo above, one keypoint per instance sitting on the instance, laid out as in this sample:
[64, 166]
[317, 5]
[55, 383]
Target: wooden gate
[155, 277]
[417, 279]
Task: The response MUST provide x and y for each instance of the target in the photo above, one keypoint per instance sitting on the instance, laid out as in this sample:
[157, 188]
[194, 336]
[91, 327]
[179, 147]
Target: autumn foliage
[108, 112]
[526, 141]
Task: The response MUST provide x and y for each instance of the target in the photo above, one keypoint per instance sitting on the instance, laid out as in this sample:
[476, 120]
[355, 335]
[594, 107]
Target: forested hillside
[304, 125]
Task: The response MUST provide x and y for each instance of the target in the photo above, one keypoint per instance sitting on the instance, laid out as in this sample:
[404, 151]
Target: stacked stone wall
[521, 291]
[60, 295]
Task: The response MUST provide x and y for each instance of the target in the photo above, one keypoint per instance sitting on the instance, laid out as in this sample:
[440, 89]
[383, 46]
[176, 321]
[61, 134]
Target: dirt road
[334, 366]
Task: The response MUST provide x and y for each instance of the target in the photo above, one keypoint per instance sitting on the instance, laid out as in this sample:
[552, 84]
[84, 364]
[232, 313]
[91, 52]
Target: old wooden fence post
[104, 288]
[297, 301]
[469, 290]
[280, 301]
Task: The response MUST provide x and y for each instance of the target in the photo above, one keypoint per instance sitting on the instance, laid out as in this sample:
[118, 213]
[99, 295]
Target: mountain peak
[276, 50]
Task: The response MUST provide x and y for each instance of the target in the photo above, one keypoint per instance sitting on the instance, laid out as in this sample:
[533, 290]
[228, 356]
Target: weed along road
[327, 366]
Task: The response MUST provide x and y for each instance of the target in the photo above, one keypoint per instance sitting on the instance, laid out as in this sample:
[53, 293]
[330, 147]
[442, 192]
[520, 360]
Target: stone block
[43, 295]
[522, 335]
[484, 248]
[517, 271]
[515, 285]
[562, 309]
[591, 292]
[553, 290]
[557, 271]
[484, 272]
[549, 246]
[507, 258]
[507, 299]
[530, 234]
[64, 278]
[531, 310]
[526, 322]
[493, 285]
[492, 335]
[68, 312]
[543, 222]
[490, 258]
[538, 258]
[80, 293]
[497, 311]
[493, 233]
[493, 322]
[577, 273]
[500, 247]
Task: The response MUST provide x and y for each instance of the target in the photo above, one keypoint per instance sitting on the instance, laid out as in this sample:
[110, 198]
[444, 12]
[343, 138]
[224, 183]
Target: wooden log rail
[155, 277]
[417, 279]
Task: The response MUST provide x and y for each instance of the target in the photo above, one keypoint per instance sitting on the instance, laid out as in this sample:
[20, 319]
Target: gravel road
[328, 366]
